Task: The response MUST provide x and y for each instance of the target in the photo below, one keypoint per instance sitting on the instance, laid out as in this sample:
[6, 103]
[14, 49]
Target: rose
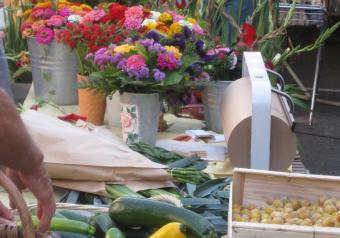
[126, 120]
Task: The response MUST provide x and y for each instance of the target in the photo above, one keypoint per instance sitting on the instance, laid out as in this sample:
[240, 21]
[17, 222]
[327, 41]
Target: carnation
[134, 12]
[133, 23]
[198, 30]
[45, 36]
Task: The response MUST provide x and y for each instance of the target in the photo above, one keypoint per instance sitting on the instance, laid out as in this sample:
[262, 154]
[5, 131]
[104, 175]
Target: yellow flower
[174, 50]
[27, 13]
[126, 48]
[151, 25]
[162, 28]
[165, 17]
[76, 9]
[43, 4]
[85, 7]
[192, 20]
[175, 28]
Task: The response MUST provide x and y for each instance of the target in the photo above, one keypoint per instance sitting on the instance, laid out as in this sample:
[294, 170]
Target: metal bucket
[140, 117]
[54, 69]
[212, 98]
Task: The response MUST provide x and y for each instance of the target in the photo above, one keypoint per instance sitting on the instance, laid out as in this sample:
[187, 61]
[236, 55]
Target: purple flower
[122, 64]
[168, 61]
[45, 36]
[146, 43]
[158, 75]
[180, 41]
[157, 48]
[139, 73]
[153, 35]
[116, 58]
[89, 57]
[187, 32]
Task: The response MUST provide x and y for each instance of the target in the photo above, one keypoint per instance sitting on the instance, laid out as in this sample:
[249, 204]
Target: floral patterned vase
[140, 117]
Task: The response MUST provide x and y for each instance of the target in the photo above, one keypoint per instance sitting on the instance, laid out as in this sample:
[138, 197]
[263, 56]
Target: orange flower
[162, 28]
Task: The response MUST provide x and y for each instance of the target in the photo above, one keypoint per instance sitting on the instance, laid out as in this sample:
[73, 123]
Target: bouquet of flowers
[45, 19]
[144, 66]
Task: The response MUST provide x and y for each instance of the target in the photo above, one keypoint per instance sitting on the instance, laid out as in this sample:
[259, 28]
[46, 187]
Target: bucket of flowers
[143, 71]
[54, 65]
[91, 32]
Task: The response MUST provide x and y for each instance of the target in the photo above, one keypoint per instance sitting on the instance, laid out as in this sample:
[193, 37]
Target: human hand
[6, 216]
[39, 184]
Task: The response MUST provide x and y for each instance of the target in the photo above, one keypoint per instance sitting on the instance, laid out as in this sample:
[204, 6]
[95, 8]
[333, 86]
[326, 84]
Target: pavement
[319, 144]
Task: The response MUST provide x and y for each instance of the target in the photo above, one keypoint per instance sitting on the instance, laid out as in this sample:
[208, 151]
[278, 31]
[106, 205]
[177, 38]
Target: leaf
[199, 201]
[183, 162]
[172, 78]
[190, 189]
[20, 72]
[210, 186]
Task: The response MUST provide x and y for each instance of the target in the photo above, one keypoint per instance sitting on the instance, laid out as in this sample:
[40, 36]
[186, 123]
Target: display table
[178, 127]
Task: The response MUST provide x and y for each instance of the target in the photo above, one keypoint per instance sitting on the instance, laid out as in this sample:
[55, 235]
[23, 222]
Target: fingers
[6, 222]
[45, 214]
[5, 213]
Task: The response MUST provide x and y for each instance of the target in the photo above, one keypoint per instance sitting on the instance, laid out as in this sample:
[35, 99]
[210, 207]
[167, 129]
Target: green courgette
[63, 234]
[66, 225]
[114, 233]
[83, 216]
[102, 223]
[136, 212]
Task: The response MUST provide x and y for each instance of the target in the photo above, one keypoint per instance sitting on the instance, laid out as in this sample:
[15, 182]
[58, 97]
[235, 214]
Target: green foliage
[15, 44]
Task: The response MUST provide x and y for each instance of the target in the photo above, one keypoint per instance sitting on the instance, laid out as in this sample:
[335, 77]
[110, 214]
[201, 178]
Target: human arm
[20, 154]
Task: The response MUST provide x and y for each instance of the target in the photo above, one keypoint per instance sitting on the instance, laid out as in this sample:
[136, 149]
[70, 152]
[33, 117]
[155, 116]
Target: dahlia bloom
[45, 36]
[55, 21]
[168, 61]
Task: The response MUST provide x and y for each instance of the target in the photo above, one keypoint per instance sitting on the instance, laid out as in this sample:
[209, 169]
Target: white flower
[148, 21]
[75, 18]
[155, 15]
[233, 62]
[186, 23]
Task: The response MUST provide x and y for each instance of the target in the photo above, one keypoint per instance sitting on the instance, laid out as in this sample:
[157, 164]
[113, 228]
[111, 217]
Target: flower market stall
[142, 111]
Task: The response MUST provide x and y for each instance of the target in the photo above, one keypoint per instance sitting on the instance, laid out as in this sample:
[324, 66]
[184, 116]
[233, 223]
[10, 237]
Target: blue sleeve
[5, 82]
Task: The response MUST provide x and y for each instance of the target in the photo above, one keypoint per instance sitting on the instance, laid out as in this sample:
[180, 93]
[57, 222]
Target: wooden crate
[256, 187]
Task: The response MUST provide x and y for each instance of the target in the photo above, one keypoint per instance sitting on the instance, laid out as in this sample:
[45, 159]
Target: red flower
[248, 36]
[269, 65]
[181, 4]
[72, 118]
[116, 13]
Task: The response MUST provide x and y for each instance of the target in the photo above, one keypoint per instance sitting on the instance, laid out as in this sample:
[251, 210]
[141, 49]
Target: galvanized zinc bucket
[212, 98]
[140, 117]
[54, 69]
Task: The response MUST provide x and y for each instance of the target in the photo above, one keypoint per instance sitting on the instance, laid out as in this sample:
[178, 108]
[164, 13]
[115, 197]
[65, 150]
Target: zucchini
[82, 216]
[58, 215]
[114, 233]
[63, 234]
[135, 212]
[102, 223]
[66, 225]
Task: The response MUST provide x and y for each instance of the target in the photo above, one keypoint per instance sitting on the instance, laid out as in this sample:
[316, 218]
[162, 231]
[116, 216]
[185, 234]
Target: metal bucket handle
[279, 77]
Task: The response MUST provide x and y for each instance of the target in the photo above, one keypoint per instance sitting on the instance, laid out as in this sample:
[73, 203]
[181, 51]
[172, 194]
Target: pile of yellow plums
[324, 212]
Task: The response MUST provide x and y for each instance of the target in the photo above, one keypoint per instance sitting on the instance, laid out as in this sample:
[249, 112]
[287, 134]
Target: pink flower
[126, 120]
[45, 36]
[37, 13]
[168, 61]
[135, 62]
[55, 21]
[36, 26]
[175, 16]
[198, 30]
[133, 23]
[134, 12]
[94, 15]
[65, 12]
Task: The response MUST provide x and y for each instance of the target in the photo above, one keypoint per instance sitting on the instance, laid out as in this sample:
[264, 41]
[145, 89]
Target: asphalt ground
[319, 144]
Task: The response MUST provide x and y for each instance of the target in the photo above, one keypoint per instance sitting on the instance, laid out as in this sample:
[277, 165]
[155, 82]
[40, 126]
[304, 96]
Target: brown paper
[236, 118]
[77, 154]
